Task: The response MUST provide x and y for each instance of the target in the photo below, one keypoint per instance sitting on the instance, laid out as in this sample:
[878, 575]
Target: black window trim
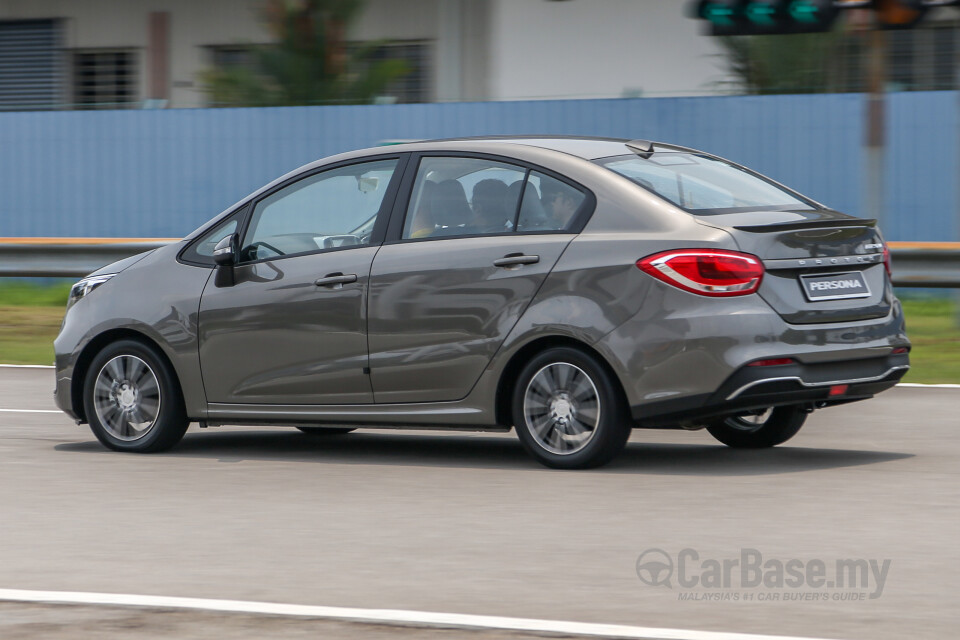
[400, 209]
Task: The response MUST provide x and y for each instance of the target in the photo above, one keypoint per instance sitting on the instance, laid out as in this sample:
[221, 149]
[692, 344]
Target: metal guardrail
[68, 257]
[915, 264]
[925, 264]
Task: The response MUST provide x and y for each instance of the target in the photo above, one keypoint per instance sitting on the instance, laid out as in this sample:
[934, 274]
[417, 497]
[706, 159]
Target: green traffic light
[761, 13]
[719, 14]
[804, 11]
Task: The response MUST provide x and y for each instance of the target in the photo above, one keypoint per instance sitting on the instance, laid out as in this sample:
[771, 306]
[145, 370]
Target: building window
[229, 57]
[30, 66]
[104, 79]
[415, 85]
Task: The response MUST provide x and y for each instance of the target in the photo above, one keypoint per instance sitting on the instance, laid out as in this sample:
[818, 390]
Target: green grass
[24, 293]
[30, 316]
[932, 328]
[27, 333]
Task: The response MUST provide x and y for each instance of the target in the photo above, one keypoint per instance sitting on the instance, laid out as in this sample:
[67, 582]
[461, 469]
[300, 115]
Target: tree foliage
[309, 62]
[779, 64]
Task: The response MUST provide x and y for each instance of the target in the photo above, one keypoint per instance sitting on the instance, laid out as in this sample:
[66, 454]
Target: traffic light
[757, 17]
[899, 14]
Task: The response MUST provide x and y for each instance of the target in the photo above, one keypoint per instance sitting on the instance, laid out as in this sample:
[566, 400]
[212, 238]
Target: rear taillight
[887, 263]
[707, 272]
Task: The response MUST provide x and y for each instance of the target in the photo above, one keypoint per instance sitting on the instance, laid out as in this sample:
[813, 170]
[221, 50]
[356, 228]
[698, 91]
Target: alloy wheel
[126, 397]
[561, 407]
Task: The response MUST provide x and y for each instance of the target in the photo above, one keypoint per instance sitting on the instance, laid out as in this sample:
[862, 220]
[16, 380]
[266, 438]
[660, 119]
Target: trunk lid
[821, 265]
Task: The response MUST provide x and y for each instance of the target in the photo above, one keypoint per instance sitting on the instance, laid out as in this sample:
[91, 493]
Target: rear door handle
[336, 279]
[513, 259]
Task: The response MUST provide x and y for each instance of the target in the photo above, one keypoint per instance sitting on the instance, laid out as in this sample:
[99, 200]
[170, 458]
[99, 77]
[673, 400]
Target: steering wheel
[252, 248]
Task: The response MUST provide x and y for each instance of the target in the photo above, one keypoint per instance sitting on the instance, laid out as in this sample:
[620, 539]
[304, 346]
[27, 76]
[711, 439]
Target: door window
[548, 204]
[463, 197]
[328, 210]
[200, 251]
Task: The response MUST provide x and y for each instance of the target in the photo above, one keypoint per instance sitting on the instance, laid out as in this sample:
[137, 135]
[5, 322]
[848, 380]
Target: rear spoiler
[808, 224]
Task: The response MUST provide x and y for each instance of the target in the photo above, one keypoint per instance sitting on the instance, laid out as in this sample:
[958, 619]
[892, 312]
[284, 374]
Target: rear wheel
[568, 411]
[326, 431]
[759, 430]
[132, 400]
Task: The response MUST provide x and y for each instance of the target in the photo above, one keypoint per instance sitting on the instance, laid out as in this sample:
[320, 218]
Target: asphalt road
[469, 524]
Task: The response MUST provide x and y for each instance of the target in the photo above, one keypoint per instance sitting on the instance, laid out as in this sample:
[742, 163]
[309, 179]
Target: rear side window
[703, 185]
[476, 196]
[548, 204]
[463, 197]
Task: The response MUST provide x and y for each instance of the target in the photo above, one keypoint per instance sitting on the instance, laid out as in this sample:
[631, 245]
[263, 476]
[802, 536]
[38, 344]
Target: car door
[448, 289]
[292, 327]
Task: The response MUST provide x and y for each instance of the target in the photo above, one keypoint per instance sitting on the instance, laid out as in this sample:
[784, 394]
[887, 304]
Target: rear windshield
[703, 185]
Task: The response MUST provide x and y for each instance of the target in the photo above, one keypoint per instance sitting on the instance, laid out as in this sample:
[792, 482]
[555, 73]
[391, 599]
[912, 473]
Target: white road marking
[30, 411]
[26, 366]
[381, 616]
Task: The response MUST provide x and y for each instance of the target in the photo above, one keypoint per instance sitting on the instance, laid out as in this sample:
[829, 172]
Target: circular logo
[655, 567]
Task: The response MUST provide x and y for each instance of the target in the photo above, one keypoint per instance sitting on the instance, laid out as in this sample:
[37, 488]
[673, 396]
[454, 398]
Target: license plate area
[834, 286]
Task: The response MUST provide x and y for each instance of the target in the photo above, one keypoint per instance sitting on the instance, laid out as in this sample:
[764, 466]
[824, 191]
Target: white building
[131, 53]
[125, 52]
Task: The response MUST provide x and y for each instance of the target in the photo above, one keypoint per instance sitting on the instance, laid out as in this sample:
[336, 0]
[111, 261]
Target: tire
[759, 431]
[568, 411]
[132, 399]
[326, 431]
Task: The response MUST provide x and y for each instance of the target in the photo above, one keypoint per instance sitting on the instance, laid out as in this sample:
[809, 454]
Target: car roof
[586, 147]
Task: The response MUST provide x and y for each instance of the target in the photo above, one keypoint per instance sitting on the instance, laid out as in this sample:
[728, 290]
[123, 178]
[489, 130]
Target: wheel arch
[511, 371]
[97, 344]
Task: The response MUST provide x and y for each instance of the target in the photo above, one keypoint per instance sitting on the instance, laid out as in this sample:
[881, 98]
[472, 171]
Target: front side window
[328, 210]
[463, 197]
[703, 185]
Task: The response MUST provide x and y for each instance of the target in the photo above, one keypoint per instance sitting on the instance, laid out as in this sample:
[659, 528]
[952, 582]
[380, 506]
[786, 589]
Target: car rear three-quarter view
[570, 288]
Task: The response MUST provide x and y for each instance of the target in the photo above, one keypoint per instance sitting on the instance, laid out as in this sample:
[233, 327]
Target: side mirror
[224, 255]
[225, 252]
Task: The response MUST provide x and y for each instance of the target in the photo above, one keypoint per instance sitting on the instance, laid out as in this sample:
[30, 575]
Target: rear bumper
[751, 388]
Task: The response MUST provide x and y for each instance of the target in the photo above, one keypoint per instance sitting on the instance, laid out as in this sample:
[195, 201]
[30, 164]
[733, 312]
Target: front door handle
[514, 259]
[338, 279]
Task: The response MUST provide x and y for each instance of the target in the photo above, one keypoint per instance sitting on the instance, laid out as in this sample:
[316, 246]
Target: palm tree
[309, 62]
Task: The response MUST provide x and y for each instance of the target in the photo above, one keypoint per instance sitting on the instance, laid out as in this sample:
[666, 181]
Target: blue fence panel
[922, 166]
[163, 173]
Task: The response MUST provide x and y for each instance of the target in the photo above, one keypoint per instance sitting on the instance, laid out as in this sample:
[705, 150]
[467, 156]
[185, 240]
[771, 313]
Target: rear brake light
[707, 272]
[771, 362]
[887, 262]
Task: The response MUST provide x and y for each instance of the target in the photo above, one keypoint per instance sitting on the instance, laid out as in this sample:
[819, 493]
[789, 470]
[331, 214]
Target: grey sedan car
[570, 288]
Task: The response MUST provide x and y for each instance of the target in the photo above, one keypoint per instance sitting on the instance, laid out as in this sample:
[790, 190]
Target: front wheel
[568, 410]
[759, 430]
[132, 399]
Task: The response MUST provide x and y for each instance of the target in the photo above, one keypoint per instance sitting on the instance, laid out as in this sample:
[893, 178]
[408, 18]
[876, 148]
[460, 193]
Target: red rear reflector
[899, 350]
[772, 362]
[838, 389]
[706, 272]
